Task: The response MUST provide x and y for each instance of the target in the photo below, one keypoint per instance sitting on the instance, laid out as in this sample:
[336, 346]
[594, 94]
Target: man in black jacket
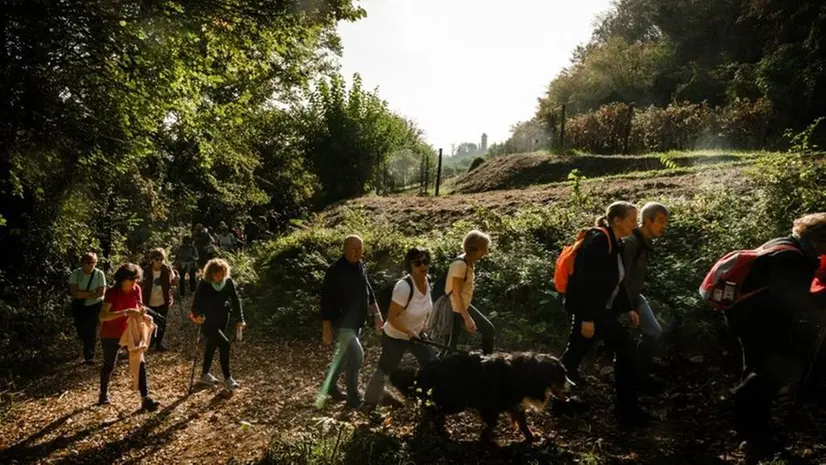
[762, 323]
[345, 300]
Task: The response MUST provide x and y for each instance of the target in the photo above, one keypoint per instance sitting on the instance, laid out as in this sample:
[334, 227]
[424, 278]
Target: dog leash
[428, 342]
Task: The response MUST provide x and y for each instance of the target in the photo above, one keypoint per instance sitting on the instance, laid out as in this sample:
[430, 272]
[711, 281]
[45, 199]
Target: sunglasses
[422, 262]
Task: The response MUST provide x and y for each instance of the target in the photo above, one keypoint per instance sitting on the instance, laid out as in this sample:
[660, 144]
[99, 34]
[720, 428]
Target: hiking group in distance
[762, 294]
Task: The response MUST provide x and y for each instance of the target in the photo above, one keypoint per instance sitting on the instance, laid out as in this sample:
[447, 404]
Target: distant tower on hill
[484, 142]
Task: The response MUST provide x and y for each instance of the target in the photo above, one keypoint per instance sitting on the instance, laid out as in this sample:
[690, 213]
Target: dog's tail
[404, 379]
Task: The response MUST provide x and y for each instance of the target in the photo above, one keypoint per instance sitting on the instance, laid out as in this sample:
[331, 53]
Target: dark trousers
[617, 339]
[214, 340]
[392, 351]
[86, 324]
[157, 338]
[483, 327]
[190, 268]
[110, 348]
[767, 366]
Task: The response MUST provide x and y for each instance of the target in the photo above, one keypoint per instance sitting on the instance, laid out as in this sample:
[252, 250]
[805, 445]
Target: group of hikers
[776, 286]
[762, 294]
[133, 314]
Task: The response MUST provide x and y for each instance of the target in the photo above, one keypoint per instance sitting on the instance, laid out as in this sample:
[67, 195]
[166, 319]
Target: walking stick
[194, 359]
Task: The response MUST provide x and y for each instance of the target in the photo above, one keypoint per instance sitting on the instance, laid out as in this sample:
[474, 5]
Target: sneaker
[149, 404]
[335, 393]
[354, 402]
[208, 380]
[230, 384]
[104, 400]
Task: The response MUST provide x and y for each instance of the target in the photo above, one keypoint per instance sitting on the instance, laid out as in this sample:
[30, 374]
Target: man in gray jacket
[636, 251]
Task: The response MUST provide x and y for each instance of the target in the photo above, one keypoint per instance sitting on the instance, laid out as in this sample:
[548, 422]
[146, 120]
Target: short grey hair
[475, 240]
[652, 209]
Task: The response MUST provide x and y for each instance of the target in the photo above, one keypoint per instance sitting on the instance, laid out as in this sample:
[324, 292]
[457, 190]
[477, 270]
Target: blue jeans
[651, 332]
[349, 357]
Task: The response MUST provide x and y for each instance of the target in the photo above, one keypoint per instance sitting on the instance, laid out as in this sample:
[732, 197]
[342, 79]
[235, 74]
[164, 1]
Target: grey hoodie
[636, 249]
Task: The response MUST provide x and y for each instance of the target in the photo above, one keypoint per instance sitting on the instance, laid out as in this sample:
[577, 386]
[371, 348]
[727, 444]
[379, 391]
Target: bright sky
[463, 67]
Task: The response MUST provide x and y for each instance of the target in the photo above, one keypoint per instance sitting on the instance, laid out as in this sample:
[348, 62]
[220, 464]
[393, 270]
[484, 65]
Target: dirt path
[54, 420]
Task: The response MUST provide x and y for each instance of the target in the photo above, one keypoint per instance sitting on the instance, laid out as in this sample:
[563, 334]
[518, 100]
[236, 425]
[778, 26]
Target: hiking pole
[807, 375]
[194, 359]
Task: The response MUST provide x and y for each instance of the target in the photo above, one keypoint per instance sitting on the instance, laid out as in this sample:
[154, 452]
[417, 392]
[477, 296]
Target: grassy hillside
[527, 169]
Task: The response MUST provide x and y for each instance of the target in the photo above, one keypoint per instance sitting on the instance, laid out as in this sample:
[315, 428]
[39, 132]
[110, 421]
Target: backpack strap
[467, 270]
[409, 280]
[607, 235]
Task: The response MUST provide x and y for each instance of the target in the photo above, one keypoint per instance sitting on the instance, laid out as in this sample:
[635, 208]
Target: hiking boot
[571, 406]
[103, 399]
[149, 404]
[335, 393]
[633, 416]
[207, 380]
[230, 384]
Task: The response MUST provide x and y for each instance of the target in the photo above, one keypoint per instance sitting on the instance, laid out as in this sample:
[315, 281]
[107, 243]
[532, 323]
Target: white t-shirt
[457, 270]
[415, 316]
[156, 298]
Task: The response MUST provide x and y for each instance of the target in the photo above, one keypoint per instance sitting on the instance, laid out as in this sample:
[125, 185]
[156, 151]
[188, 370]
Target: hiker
[226, 240]
[159, 280]
[409, 308]
[204, 242]
[187, 260]
[781, 281]
[346, 297]
[87, 285]
[238, 232]
[252, 231]
[215, 302]
[596, 297]
[461, 277]
[123, 300]
[636, 249]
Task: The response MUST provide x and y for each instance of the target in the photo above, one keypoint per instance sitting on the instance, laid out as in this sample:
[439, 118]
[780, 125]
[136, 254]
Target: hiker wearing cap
[775, 293]
[123, 300]
[216, 301]
[346, 300]
[636, 252]
[87, 285]
[595, 296]
[159, 279]
[406, 319]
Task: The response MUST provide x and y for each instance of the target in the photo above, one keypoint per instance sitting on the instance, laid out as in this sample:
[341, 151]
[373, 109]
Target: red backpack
[722, 286]
[565, 262]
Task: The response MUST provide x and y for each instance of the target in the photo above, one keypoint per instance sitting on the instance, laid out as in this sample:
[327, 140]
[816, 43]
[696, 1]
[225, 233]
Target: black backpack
[439, 288]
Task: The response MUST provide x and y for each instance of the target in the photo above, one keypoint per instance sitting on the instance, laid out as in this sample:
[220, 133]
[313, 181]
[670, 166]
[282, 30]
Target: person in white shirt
[461, 276]
[407, 316]
[157, 288]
